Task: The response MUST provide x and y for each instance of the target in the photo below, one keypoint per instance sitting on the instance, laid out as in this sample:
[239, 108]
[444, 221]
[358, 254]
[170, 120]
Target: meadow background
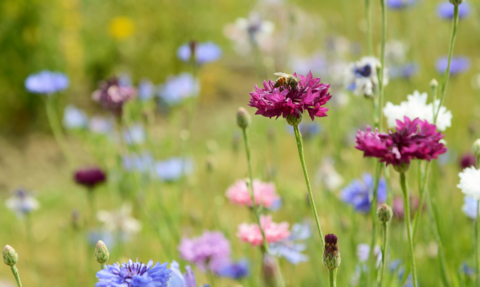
[93, 40]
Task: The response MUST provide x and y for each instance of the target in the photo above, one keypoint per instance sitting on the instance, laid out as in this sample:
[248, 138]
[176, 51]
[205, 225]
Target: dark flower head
[287, 101]
[331, 254]
[134, 274]
[415, 139]
[468, 160]
[90, 177]
[112, 94]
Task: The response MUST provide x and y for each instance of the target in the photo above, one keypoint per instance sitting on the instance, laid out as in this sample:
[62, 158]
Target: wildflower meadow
[257, 143]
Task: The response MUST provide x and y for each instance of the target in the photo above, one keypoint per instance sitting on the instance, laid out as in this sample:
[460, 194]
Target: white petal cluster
[120, 221]
[416, 107]
[22, 204]
[361, 77]
[470, 182]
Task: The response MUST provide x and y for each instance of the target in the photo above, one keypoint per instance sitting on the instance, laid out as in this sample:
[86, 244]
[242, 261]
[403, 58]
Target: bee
[286, 80]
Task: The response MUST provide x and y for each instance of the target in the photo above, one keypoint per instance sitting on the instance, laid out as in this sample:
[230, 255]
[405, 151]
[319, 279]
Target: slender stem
[16, 275]
[332, 278]
[450, 53]
[102, 266]
[406, 204]
[477, 222]
[57, 129]
[381, 76]
[436, 234]
[373, 214]
[91, 202]
[369, 27]
[384, 251]
[298, 137]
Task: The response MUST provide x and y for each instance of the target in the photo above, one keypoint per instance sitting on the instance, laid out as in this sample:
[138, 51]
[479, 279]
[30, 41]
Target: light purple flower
[445, 10]
[399, 4]
[206, 250]
[140, 163]
[178, 88]
[134, 274]
[112, 95]
[186, 279]
[292, 247]
[146, 89]
[459, 64]
[101, 125]
[173, 168]
[203, 52]
[235, 270]
[46, 82]
[74, 118]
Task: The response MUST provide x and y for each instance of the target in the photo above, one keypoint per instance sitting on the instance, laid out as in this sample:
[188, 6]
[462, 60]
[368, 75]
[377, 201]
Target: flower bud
[294, 120]
[269, 270]
[384, 213]
[331, 254]
[10, 257]
[433, 84]
[243, 118]
[456, 2]
[476, 148]
[401, 168]
[101, 252]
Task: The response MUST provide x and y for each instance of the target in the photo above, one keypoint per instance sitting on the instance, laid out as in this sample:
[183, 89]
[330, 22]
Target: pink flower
[285, 101]
[112, 95]
[274, 232]
[264, 193]
[415, 139]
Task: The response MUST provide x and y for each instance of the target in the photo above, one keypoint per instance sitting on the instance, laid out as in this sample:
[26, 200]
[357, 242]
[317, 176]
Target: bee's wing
[280, 74]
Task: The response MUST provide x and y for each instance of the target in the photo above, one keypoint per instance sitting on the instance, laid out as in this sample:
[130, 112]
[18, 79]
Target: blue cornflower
[134, 274]
[74, 118]
[470, 207]
[235, 270]
[178, 88]
[445, 10]
[467, 270]
[140, 163]
[359, 193]
[22, 203]
[458, 65]
[204, 52]
[173, 168]
[134, 135]
[399, 4]
[46, 82]
[146, 89]
[404, 71]
[182, 280]
[290, 248]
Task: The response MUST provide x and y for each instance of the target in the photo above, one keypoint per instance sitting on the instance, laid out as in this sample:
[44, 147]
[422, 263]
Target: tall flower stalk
[10, 258]
[368, 16]
[384, 214]
[54, 123]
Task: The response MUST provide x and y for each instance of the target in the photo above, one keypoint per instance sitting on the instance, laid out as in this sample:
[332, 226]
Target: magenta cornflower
[205, 250]
[264, 193]
[291, 100]
[415, 139]
[112, 94]
[274, 232]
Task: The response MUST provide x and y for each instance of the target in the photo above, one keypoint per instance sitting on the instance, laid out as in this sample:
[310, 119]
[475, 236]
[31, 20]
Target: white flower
[22, 203]
[361, 77]
[470, 182]
[416, 107]
[120, 221]
[328, 176]
[74, 118]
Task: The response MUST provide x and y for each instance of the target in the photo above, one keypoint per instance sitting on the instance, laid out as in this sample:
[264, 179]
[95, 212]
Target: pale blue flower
[22, 203]
[178, 88]
[445, 10]
[178, 279]
[173, 169]
[146, 89]
[74, 118]
[459, 64]
[140, 163]
[99, 234]
[46, 82]
[470, 207]
[235, 270]
[292, 247]
[360, 192]
[204, 52]
[404, 71]
[135, 134]
[399, 4]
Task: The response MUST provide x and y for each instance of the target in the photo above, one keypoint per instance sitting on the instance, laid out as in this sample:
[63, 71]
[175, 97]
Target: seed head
[243, 118]
[10, 257]
[101, 252]
[384, 213]
[331, 254]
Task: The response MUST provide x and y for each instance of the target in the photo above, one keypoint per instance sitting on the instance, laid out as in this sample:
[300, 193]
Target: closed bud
[433, 84]
[331, 254]
[10, 257]
[476, 148]
[101, 252]
[294, 120]
[384, 213]
[243, 118]
[401, 168]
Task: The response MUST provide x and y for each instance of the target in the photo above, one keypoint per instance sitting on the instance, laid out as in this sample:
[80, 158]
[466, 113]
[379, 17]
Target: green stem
[91, 203]
[373, 213]
[477, 222]
[450, 53]
[332, 278]
[102, 266]
[57, 129]
[384, 251]
[298, 137]
[381, 86]
[406, 204]
[369, 27]
[16, 275]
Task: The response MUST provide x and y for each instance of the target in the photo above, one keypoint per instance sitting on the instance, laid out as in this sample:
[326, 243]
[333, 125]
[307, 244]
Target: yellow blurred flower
[121, 27]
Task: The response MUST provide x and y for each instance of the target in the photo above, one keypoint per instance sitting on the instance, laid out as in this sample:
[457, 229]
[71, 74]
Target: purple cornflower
[415, 139]
[445, 10]
[134, 274]
[288, 101]
[399, 4]
[458, 65]
[112, 94]
[206, 250]
[90, 177]
[178, 88]
[292, 247]
[202, 52]
[46, 82]
[178, 279]
[360, 192]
